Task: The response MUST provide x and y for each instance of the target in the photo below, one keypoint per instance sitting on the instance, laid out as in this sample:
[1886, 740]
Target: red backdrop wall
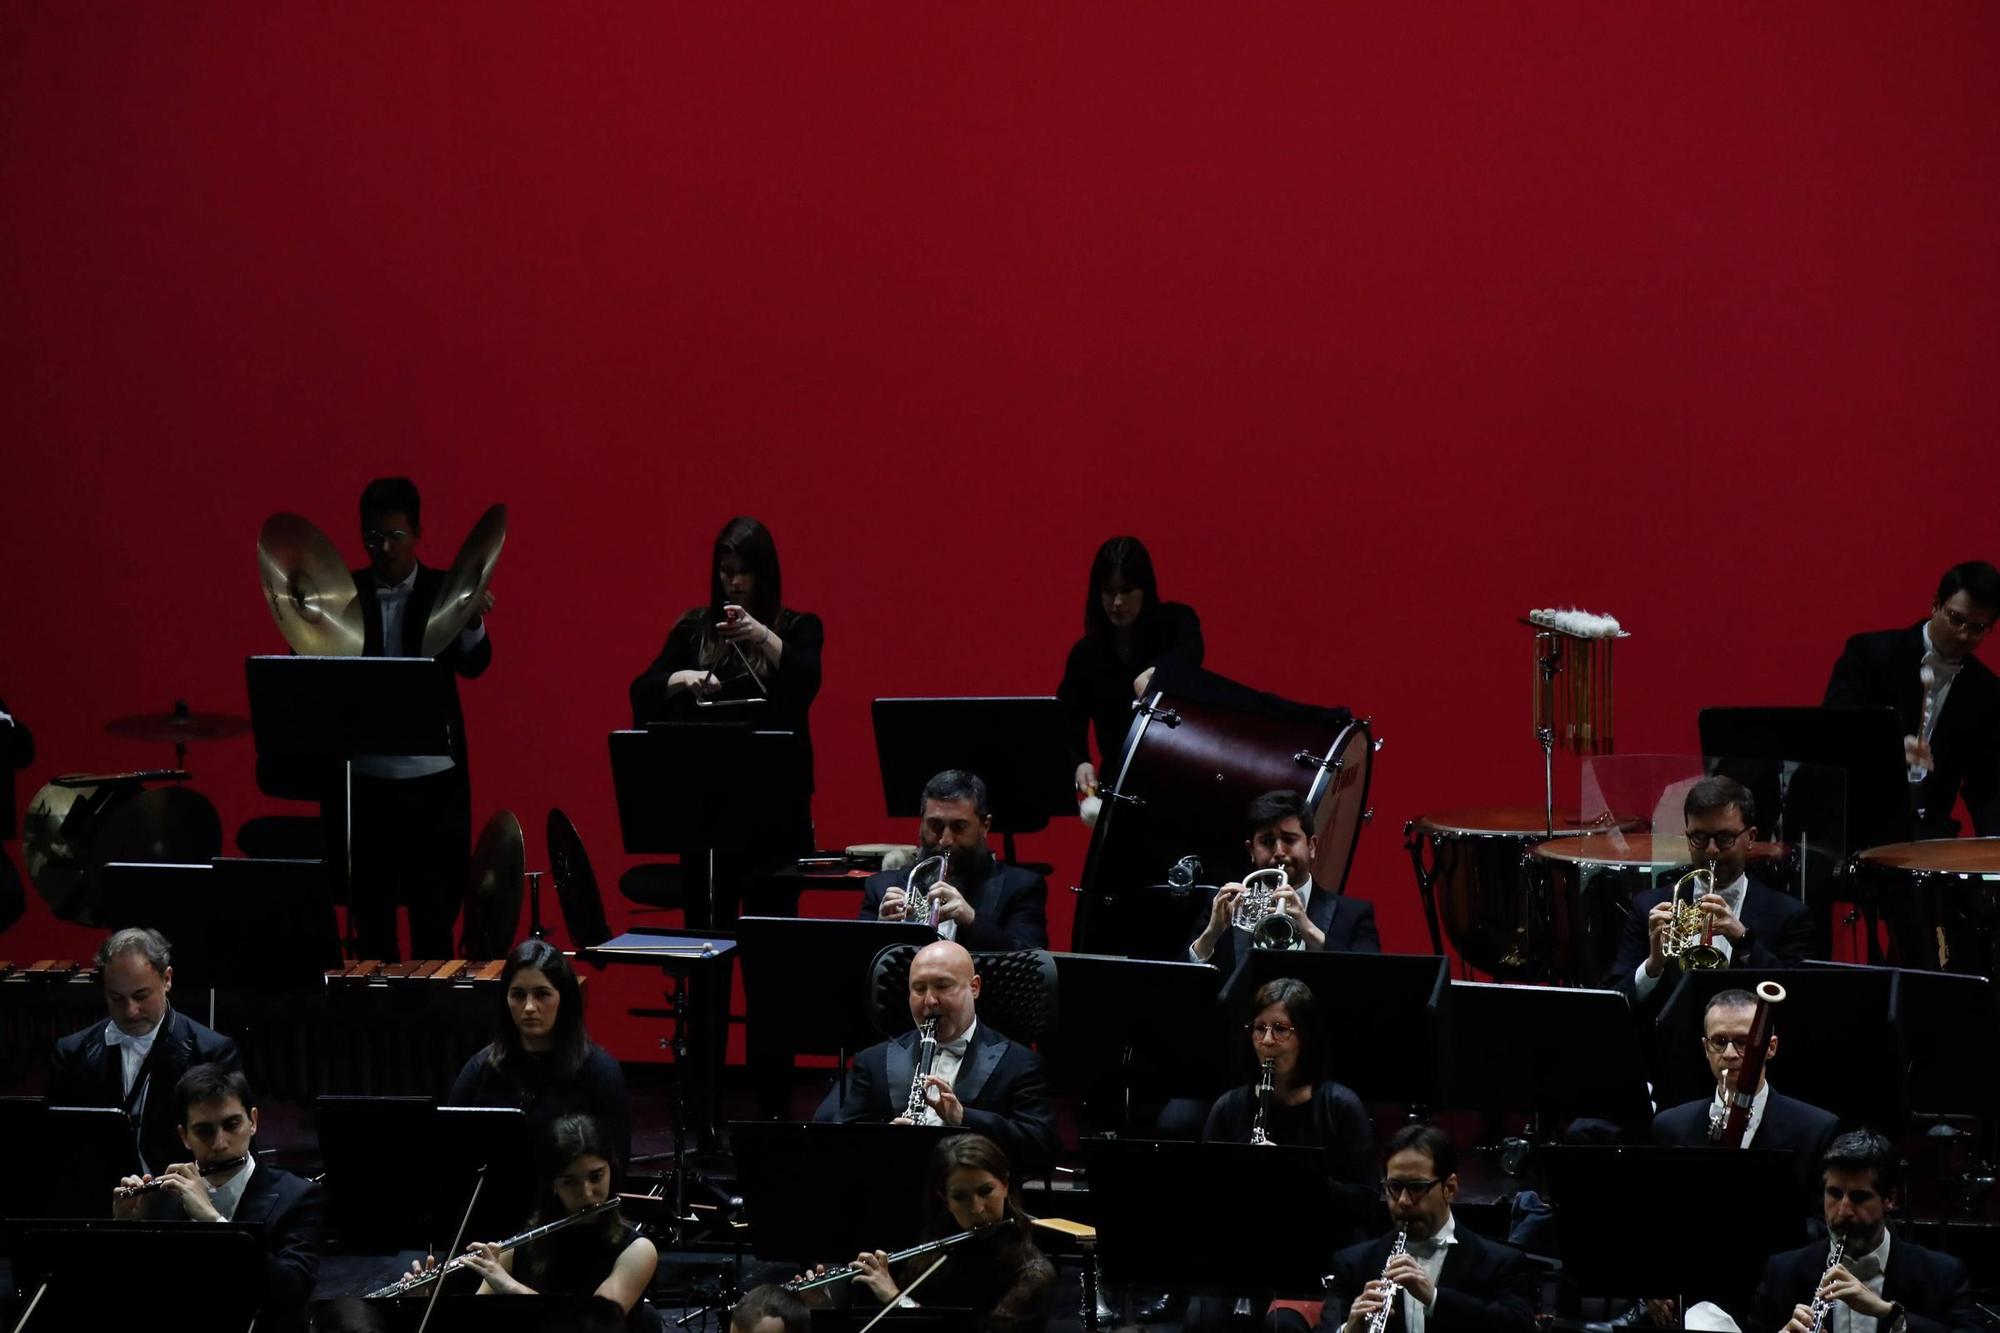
[1381, 324]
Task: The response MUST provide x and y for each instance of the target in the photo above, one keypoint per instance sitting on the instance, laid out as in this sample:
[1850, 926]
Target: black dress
[528, 1080]
[1096, 689]
[1007, 1282]
[575, 1262]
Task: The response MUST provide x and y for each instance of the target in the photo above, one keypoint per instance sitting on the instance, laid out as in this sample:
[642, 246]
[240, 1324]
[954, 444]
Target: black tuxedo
[1882, 668]
[17, 750]
[1000, 1083]
[1932, 1287]
[1348, 923]
[1781, 934]
[1789, 1125]
[1010, 909]
[289, 1211]
[1484, 1287]
[86, 1072]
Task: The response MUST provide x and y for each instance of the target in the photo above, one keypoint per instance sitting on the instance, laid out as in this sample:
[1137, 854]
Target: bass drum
[1188, 772]
[1940, 900]
[76, 826]
[1476, 889]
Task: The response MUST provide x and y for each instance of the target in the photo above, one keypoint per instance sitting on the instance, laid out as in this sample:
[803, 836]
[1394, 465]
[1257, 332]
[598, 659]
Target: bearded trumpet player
[974, 898]
[1278, 839]
[1747, 925]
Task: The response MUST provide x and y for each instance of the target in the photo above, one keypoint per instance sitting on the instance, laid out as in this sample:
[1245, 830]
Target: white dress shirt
[227, 1198]
[132, 1051]
[394, 600]
[950, 1058]
[1868, 1269]
[1430, 1254]
[1733, 896]
[1716, 1107]
[1943, 673]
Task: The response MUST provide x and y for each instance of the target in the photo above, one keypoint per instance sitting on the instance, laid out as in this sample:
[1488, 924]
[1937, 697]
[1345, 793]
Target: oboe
[927, 1046]
[1380, 1319]
[1820, 1304]
[1266, 1079]
[845, 1271]
[160, 1181]
[403, 1286]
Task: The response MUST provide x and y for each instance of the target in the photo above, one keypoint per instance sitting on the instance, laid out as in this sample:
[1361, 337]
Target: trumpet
[1259, 913]
[1379, 1321]
[1266, 1082]
[160, 1181]
[1690, 935]
[1820, 1304]
[930, 872]
[927, 1047]
[410, 1282]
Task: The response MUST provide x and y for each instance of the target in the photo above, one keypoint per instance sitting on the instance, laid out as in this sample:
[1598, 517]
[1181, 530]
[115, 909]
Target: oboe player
[980, 1080]
[1448, 1279]
[1883, 1283]
[218, 1126]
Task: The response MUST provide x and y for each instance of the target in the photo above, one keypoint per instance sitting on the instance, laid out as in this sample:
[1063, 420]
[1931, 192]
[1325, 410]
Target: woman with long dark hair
[541, 1058]
[999, 1274]
[742, 643]
[604, 1257]
[1127, 632]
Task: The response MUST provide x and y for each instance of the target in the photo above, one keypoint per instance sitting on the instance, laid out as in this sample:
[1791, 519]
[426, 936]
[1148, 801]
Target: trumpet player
[223, 1183]
[1447, 1279]
[1877, 1282]
[1750, 925]
[1276, 836]
[981, 902]
[979, 1079]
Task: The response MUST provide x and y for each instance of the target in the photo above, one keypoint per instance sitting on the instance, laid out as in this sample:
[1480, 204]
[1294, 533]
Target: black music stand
[78, 1258]
[453, 1142]
[1017, 745]
[1950, 1024]
[467, 1313]
[929, 1319]
[1661, 1198]
[1565, 1051]
[78, 1154]
[338, 709]
[1385, 1045]
[879, 1171]
[1839, 1039]
[237, 924]
[1137, 1024]
[1139, 1190]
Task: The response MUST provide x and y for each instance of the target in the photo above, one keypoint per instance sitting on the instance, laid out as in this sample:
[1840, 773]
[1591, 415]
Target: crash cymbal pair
[316, 605]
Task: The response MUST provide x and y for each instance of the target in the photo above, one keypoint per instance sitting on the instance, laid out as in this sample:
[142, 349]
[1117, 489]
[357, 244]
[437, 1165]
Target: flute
[159, 1181]
[409, 1282]
[846, 1271]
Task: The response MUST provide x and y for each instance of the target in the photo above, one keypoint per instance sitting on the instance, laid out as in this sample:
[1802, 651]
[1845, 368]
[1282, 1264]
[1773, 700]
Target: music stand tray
[238, 924]
[78, 1257]
[878, 1170]
[1386, 1044]
[345, 707]
[1017, 745]
[1174, 1044]
[1139, 1193]
[453, 1141]
[79, 1152]
[805, 980]
[685, 787]
[1593, 1068]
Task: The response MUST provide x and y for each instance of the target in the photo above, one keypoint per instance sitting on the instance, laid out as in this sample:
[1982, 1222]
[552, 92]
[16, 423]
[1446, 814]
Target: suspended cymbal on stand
[493, 902]
[79, 824]
[457, 602]
[308, 588]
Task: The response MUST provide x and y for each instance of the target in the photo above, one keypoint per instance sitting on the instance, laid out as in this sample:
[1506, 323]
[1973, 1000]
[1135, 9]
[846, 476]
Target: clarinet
[1266, 1078]
[927, 1046]
[1379, 1321]
[1820, 1304]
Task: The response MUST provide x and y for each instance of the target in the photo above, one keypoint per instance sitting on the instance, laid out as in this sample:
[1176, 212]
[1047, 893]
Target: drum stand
[1549, 662]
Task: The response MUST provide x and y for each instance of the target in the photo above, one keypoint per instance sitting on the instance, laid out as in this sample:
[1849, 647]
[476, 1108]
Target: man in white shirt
[1883, 1283]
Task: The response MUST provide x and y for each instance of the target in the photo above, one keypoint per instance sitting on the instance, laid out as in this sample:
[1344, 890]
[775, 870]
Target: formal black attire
[1010, 908]
[1000, 1083]
[1484, 1287]
[1933, 1287]
[575, 1262]
[1882, 668]
[1096, 688]
[1788, 1125]
[290, 1212]
[413, 835]
[17, 750]
[528, 1079]
[1781, 934]
[1003, 1279]
[1335, 1120]
[86, 1072]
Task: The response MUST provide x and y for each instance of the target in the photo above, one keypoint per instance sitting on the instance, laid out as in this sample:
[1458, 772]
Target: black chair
[1017, 992]
[282, 838]
[657, 885]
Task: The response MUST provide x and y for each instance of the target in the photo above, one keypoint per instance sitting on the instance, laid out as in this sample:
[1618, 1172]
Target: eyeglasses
[1722, 1041]
[1971, 629]
[1415, 1189]
[1723, 839]
[375, 539]
[1272, 1031]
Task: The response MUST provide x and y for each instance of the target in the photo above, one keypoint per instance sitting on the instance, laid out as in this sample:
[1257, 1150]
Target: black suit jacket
[1789, 1125]
[1484, 1287]
[1349, 924]
[1010, 909]
[1781, 934]
[290, 1212]
[1882, 668]
[1932, 1287]
[86, 1072]
[1000, 1083]
[17, 750]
